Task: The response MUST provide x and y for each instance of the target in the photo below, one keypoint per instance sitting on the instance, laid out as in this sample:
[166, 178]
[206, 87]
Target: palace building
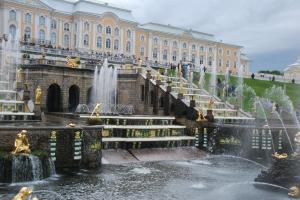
[87, 26]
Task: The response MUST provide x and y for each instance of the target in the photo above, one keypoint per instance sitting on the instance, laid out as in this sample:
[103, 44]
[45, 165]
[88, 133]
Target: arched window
[155, 56]
[53, 38]
[86, 40]
[99, 42]
[41, 36]
[193, 47]
[166, 42]
[28, 18]
[86, 26]
[228, 52]
[66, 41]
[108, 43]
[66, 27]
[201, 48]
[116, 45]
[227, 63]
[99, 28]
[142, 38]
[165, 55]
[117, 32]
[128, 46]
[53, 24]
[128, 34]
[210, 50]
[175, 44]
[174, 55]
[193, 58]
[12, 15]
[12, 31]
[220, 62]
[184, 56]
[27, 34]
[184, 45]
[108, 30]
[201, 60]
[42, 20]
[142, 51]
[210, 61]
[156, 41]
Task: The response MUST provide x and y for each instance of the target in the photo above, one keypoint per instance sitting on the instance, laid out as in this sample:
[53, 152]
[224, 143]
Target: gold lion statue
[73, 62]
[23, 194]
[21, 143]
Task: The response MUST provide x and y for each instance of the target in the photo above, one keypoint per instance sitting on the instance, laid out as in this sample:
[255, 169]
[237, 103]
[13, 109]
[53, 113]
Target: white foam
[201, 162]
[199, 186]
[141, 170]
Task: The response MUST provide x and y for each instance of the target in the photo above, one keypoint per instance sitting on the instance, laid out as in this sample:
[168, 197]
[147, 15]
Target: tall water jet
[240, 85]
[104, 89]
[213, 78]
[201, 77]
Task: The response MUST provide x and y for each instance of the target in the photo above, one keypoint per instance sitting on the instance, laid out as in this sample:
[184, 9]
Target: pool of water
[213, 177]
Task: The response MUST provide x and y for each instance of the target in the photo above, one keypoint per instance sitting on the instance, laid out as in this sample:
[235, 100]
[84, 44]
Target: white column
[206, 56]
[95, 36]
[150, 47]
[160, 50]
[179, 53]
[133, 42]
[19, 22]
[121, 41]
[79, 34]
[5, 21]
[36, 28]
[170, 51]
[48, 28]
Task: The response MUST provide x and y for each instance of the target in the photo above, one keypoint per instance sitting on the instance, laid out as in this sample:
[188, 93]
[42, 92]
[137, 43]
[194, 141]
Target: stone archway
[54, 98]
[74, 95]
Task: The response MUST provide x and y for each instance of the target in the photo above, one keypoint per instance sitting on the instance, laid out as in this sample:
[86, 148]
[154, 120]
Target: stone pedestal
[209, 116]
[192, 103]
[37, 110]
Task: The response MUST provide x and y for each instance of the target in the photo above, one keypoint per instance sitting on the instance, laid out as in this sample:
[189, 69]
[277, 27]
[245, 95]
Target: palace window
[155, 53]
[53, 24]
[12, 31]
[220, 52]
[116, 45]
[235, 53]
[193, 58]
[75, 40]
[165, 55]
[86, 26]
[166, 42]
[174, 58]
[201, 60]
[99, 28]
[128, 34]
[86, 40]
[210, 61]
[174, 44]
[117, 31]
[184, 45]
[220, 62]
[193, 47]
[66, 27]
[184, 56]
[66, 41]
[227, 63]
[142, 51]
[235, 64]
[107, 43]
[142, 38]
[53, 38]
[28, 18]
[228, 52]
[202, 49]
[156, 41]
[99, 42]
[108, 30]
[210, 50]
[75, 27]
[42, 20]
[41, 36]
[128, 47]
[12, 15]
[27, 33]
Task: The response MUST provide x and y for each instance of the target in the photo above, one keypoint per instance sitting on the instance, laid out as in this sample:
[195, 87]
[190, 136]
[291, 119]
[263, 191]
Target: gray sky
[268, 29]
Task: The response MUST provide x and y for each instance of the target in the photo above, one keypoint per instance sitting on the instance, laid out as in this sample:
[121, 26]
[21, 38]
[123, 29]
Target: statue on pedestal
[211, 104]
[38, 95]
[22, 143]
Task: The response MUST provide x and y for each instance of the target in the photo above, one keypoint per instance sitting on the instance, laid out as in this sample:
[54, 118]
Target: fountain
[201, 77]
[105, 88]
[23, 165]
[14, 99]
[213, 78]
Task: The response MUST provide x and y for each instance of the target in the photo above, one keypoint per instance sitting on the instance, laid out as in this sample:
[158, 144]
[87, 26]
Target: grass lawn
[259, 86]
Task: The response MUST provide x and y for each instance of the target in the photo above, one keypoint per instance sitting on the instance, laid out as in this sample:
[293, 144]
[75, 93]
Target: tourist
[253, 76]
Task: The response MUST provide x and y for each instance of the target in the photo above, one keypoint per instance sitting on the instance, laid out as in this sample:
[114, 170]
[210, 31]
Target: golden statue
[53, 135]
[201, 117]
[38, 95]
[96, 111]
[19, 75]
[158, 77]
[294, 192]
[280, 156]
[23, 194]
[21, 143]
[77, 135]
[211, 104]
[73, 62]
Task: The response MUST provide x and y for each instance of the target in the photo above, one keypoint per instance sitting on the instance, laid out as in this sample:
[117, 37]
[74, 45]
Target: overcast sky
[269, 30]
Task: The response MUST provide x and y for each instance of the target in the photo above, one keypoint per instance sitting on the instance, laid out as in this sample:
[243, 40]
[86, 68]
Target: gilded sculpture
[21, 143]
[211, 104]
[38, 95]
[73, 62]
